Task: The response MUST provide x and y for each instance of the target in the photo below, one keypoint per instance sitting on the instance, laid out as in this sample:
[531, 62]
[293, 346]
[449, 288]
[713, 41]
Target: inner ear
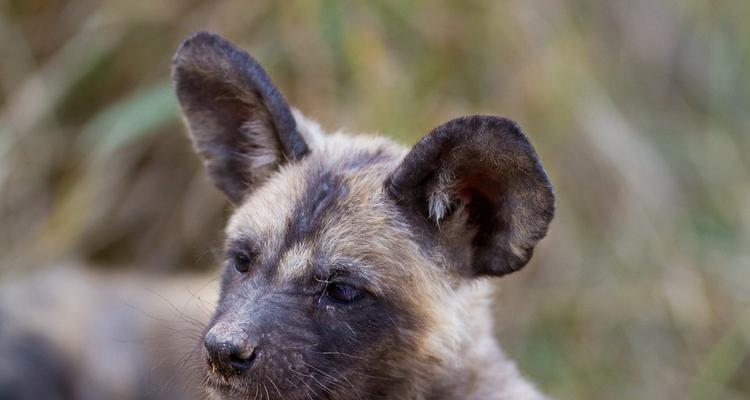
[239, 122]
[477, 180]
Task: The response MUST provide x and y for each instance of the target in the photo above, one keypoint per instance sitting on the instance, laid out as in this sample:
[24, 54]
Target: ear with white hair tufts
[478, 182]
[239, 122]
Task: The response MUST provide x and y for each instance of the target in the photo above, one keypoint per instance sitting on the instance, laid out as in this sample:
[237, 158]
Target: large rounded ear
[479, 185]
[239, 122]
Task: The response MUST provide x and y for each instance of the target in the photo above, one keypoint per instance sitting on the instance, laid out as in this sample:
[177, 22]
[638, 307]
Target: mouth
[226, 391]
[263, 386]
[219, 385]
[229, 391]
[221, 388]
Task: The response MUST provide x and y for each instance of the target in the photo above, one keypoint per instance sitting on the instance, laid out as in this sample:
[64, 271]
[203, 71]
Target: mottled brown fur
[412, 233]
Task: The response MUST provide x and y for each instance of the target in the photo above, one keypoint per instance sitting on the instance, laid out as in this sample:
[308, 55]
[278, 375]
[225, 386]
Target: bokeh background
[640, 111]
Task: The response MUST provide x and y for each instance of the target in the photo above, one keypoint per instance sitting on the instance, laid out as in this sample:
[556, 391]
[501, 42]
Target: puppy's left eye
[343, 293]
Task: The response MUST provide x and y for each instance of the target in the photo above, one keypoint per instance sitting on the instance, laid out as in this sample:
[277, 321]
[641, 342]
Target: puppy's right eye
[343, 293]
[242, 262]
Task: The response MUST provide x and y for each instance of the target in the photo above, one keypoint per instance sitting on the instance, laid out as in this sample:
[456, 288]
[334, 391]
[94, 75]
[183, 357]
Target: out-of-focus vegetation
[639, 109]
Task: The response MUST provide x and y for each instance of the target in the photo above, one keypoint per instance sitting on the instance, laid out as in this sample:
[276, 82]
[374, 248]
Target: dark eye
[242, 262]
[343, 293]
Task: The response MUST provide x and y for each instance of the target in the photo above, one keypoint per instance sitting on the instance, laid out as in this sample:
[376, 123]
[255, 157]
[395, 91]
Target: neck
[478, 369]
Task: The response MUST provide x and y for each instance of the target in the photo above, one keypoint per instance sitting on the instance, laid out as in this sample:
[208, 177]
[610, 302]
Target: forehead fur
[331, 208]
[331, 202]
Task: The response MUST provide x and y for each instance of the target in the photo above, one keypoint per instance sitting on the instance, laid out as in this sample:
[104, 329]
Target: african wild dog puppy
[355, 268]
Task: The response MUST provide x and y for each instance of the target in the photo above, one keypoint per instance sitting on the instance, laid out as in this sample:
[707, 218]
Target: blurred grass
[129, 119]
[638, 109]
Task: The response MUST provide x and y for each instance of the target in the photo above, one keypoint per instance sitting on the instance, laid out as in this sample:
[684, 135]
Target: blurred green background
[640, 111]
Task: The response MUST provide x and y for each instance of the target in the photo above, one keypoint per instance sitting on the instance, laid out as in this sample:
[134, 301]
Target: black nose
[229, 354]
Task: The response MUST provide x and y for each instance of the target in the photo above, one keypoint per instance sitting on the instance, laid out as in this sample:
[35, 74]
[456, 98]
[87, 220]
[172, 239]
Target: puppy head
[345, 255]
